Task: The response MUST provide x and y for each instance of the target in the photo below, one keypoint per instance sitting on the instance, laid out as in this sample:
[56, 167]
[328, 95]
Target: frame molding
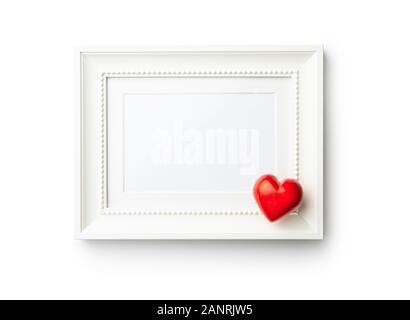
[292, 74]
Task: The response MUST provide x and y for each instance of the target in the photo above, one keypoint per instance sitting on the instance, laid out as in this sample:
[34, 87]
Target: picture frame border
[80, 232]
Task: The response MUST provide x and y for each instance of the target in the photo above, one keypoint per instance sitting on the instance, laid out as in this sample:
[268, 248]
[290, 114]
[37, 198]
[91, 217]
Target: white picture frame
[120, 92]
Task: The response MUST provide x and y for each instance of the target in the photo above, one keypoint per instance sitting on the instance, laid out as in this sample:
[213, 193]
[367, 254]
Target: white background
[366, 251]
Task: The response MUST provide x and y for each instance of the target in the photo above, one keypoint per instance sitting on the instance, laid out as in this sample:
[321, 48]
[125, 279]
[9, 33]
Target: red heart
[276, 199]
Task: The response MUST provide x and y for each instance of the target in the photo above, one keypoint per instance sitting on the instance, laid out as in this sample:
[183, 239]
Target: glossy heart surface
[276, 199]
